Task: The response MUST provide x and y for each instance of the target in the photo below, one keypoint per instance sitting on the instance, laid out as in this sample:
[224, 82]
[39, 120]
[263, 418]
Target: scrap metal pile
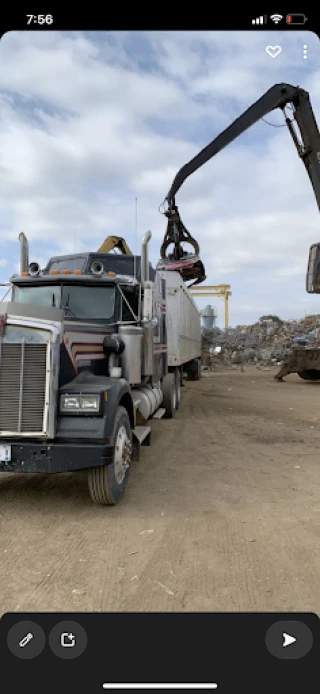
[267, 342]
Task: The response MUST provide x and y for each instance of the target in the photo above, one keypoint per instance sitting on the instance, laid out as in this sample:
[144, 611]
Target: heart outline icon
[273, 51]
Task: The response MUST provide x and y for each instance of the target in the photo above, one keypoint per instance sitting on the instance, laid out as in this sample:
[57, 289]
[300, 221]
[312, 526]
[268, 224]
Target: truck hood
[42, 313]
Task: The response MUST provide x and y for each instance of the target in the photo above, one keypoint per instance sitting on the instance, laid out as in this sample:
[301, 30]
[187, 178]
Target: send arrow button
[291, 633]
[287, 639]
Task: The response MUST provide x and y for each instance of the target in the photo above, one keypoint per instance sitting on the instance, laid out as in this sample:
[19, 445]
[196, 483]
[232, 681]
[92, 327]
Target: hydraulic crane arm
[279, 96]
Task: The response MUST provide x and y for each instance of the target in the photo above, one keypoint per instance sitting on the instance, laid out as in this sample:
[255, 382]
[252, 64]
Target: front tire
[169, 395]
[107, 483]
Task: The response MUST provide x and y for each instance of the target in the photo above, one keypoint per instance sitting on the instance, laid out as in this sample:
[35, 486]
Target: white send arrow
[288, 640]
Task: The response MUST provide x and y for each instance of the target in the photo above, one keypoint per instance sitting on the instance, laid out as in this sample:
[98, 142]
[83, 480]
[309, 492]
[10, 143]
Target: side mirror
[313, 272]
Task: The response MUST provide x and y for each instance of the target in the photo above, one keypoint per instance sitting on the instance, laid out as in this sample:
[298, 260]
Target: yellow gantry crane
[220, 290]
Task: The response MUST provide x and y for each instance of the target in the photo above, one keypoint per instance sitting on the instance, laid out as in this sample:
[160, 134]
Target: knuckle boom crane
[308, 148]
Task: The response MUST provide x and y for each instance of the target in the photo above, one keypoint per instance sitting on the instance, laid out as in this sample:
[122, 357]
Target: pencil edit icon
[26, 639]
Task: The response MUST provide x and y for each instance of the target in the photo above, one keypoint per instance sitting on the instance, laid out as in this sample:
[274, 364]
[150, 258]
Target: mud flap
[141, 436]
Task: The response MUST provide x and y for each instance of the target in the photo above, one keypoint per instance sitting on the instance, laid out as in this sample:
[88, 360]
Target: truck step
[142, 433]
[159, 413]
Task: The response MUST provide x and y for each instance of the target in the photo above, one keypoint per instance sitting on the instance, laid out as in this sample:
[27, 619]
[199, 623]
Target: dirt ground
[222, 513]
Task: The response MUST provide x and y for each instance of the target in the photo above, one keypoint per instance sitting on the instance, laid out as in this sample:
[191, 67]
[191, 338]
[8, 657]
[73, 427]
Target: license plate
[5, 453]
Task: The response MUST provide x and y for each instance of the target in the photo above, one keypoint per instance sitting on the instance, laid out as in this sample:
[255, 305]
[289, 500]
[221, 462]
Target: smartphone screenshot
[160, 356]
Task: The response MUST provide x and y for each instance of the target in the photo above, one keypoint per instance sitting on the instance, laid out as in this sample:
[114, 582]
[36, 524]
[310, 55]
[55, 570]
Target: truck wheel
[310, 375]
[198, 371]
[191, 376]
[195, 373]
[107, 483]
[178, 388]
[169, 395]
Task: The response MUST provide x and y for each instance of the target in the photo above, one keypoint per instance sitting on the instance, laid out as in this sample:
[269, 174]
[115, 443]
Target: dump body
[183, 321]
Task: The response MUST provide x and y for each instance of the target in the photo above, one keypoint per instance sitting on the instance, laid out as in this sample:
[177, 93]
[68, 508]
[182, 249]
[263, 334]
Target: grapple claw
[188, 265]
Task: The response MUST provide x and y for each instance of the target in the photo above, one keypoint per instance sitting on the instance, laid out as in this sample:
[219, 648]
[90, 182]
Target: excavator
[112, 242]
[305, 134]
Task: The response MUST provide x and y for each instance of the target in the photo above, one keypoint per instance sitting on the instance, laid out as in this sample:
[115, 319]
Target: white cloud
[89, 122]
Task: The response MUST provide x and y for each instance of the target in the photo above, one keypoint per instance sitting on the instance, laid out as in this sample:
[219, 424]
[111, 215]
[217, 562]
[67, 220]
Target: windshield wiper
[66, 308]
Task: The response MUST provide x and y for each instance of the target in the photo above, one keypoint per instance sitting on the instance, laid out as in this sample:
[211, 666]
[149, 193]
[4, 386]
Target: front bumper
[56, 457]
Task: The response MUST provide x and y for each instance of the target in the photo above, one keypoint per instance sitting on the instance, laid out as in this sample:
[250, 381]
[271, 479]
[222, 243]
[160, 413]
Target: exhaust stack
[145, 257]
[24, 253]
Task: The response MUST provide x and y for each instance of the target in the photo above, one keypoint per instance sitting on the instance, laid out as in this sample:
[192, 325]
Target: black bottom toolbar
[88, 653]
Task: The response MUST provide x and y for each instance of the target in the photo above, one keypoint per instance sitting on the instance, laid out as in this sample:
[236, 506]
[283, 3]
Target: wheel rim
[122, 453]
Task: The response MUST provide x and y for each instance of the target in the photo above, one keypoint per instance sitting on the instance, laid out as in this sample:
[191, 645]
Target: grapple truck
[91, 348]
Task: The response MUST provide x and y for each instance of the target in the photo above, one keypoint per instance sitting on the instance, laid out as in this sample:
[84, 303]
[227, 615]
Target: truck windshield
[78, 301]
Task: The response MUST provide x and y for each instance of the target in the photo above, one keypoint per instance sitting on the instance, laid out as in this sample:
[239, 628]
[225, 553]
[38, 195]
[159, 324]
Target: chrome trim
[53, 339]
[47, 424]
[23, 350]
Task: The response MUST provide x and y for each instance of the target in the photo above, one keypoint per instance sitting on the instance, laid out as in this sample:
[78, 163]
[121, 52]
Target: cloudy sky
[91, 121]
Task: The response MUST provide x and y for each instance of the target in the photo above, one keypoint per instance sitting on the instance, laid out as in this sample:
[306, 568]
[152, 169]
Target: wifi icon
[276, 18]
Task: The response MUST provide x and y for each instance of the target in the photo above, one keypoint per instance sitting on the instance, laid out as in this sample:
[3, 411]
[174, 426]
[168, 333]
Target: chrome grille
[22, 387]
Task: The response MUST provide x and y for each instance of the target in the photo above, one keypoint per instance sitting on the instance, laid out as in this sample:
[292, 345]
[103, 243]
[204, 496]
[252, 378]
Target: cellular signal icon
[260, 20]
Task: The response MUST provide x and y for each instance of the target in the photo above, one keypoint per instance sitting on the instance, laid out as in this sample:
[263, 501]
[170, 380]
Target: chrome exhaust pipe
[24, 253]
[145, 257]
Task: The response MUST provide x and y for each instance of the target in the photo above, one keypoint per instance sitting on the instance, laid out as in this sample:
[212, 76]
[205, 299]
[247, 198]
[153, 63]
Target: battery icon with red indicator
[296, 19]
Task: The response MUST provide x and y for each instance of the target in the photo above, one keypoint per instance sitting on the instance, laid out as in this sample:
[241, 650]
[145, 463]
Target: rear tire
[310, 375]
[199, 371]
[178, 388]
[107, 483]
[195, 373]
[169, 395]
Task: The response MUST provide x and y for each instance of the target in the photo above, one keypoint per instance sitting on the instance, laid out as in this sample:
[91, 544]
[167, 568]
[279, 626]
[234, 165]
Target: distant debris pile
[265, 343]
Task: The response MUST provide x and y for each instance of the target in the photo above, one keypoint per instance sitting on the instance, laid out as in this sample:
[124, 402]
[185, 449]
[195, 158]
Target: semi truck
[92, 347]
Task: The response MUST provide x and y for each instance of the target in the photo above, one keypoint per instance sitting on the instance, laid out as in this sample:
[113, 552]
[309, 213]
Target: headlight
[90, 402]
[80, 403]
[70, 402]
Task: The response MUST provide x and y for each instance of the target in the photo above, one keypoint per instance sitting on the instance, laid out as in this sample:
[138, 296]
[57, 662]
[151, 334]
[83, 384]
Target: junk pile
[266, 343]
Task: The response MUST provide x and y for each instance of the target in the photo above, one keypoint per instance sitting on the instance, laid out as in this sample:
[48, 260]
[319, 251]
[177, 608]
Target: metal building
[209, 317]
